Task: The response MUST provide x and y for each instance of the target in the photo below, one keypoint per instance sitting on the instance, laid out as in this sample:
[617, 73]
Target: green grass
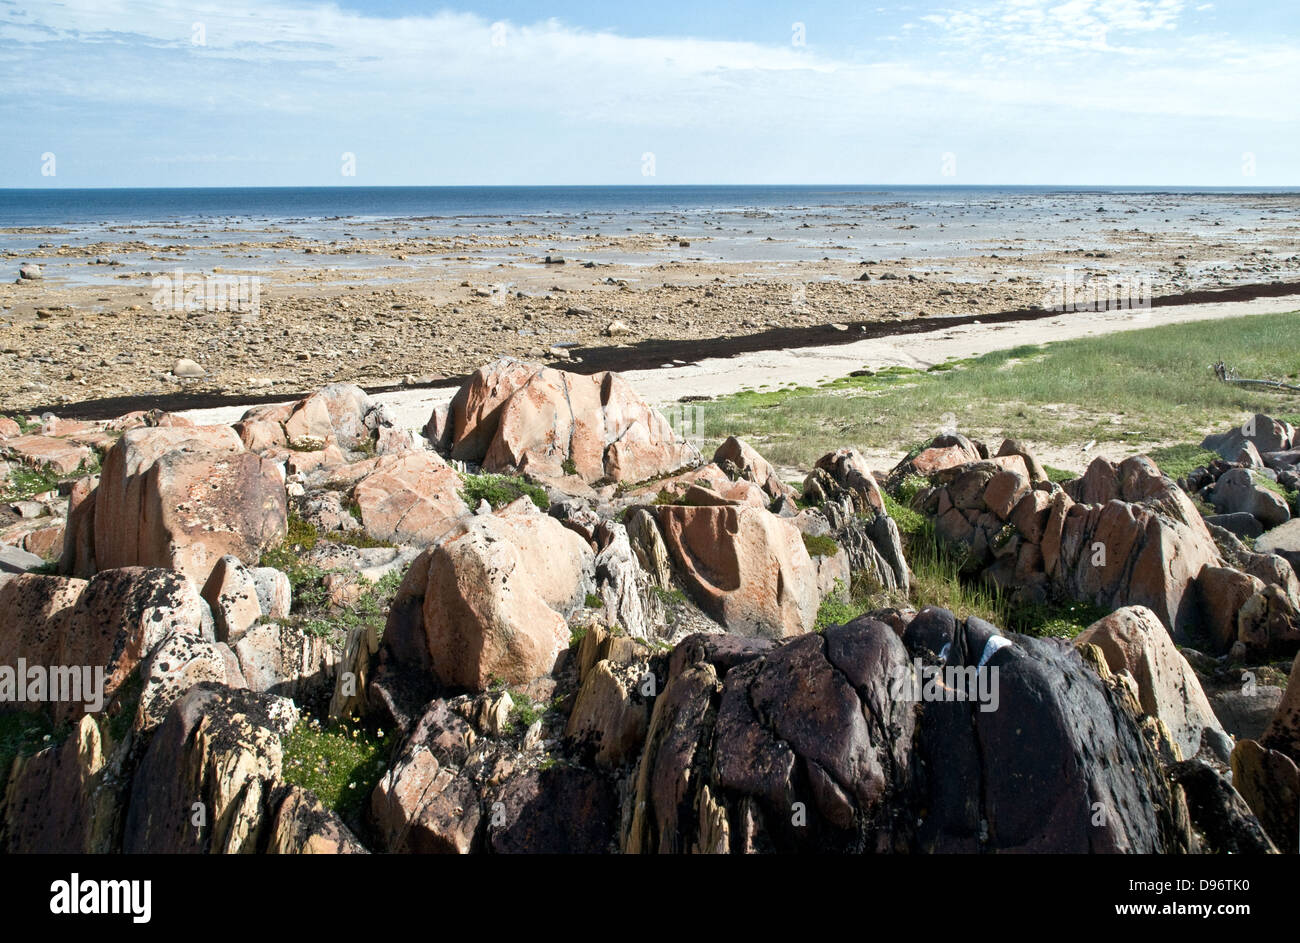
[839, 607]
[500, 490]
[356, 537]
[1147, 385]
[311, 610]
[670, 597]
[1177, 460]
[25, 426]
[1063, 620]
[24, 482]
[340, 764]
[524, 713]
[316, 617]
[1059, 475]
[909, 521]
[941, 577]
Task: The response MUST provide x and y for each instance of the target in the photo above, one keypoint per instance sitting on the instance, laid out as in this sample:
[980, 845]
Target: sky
[102, 93]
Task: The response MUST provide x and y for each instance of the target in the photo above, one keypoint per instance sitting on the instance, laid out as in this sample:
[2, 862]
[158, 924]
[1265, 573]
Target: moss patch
[820, 546]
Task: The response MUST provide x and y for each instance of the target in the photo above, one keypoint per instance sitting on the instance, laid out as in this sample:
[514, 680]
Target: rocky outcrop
[110, 623]
[60, 455]
[739, 460]
[1134, 641]
[209, 780]
[302, 826]
[62, 800]
[1261, 432]
[283, 660]
[745, 567]
[1269, 781]
[810, 745]
[1118, 536]
[522, 418]
[180, 498]
[339, 413]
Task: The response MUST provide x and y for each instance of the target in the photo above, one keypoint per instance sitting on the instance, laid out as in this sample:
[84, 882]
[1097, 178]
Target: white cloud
[991, 64]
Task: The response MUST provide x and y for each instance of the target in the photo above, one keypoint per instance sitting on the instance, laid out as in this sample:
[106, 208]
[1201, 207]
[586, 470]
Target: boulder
[1035, 469]
[231, 592]
[302, 826]
[1283, 731]
[707, 484]
[17, 560]
[740, 460]
[179, 498]
[647, 542]
[1236, 491]
[945, 451]
[112, 622]
[847, 468]
[1283, 540]
[259, 435]
[285, 661]
[180, 661]
[1240, 523]
[611, 714]
[410, 498]
[1246, 712]
[62, 456]
[1222, 816]
[1263, 432]
[1223, 591]
[492, 598]
[1133, 640]
[559, 810]
[746, 568]
[823, 743]
[63, 799]
[522, 418]
[624, 587]
[1270, 783]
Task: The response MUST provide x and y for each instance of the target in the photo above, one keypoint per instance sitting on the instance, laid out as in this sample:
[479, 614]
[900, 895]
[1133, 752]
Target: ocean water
[59, 206]
[763, 224]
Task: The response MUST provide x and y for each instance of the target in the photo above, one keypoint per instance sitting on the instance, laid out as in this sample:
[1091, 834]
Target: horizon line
[647, 186]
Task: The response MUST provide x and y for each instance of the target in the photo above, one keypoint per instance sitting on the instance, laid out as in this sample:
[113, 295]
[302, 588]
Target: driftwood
[1228, 375]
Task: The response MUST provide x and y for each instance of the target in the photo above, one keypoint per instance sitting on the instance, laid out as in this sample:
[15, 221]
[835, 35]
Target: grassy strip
[1147, 385]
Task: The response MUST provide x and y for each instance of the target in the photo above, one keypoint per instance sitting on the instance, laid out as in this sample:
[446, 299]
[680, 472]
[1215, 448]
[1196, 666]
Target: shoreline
[920, 343]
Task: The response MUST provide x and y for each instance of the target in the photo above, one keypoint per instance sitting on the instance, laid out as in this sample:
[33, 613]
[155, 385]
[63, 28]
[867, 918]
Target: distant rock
[188, 369]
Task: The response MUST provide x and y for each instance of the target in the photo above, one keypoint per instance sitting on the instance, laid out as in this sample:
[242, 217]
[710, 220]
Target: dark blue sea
[62, 207]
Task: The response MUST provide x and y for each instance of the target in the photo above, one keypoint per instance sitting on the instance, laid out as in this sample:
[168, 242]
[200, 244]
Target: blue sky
[277, 92]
